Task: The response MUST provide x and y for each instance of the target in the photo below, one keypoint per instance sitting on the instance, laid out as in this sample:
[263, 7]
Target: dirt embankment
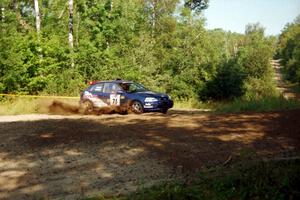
[55, 156]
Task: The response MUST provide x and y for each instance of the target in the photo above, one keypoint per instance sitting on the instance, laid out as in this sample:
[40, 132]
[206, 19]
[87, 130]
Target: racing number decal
[115, 99]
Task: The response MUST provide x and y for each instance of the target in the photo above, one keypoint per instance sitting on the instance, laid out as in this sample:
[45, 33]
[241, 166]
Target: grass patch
[261, 105]
[189, 103]
[194, 104]
[13, 105]
[26, 105]
[274, 180]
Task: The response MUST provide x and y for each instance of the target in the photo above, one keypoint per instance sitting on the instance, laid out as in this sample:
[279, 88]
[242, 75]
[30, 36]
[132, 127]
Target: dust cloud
[68, 108]
[60, 107]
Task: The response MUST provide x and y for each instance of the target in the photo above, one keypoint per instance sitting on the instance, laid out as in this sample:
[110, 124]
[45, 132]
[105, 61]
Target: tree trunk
[37, 16]
[2, 14]
[71, 42]
[71, 23]
[77, 29]
[154, 4]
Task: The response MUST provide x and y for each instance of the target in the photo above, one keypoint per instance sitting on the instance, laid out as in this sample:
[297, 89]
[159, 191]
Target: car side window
[111, 88]
[97, 88]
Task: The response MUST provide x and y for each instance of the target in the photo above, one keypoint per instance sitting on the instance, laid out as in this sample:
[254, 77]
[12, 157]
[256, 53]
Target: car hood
[151, 94]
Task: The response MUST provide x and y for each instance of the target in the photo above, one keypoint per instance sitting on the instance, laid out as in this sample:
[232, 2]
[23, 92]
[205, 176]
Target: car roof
[112, 81]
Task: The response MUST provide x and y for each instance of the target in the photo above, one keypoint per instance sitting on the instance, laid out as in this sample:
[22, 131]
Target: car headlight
[150, 99]
[169, 97]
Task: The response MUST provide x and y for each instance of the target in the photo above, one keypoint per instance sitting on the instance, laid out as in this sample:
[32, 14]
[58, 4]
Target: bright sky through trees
[233, 15]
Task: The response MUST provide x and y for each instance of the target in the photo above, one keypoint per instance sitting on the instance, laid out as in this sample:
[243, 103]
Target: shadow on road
[71, 158]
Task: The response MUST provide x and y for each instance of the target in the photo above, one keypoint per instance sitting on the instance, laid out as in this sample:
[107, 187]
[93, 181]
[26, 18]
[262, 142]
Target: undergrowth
[260, 105]
[272, 180]
[22, 105]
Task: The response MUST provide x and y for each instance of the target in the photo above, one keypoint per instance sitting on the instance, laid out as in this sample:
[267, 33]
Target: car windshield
[132, 87]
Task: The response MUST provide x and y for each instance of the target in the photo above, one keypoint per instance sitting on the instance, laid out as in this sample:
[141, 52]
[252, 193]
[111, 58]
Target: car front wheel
[137, 107]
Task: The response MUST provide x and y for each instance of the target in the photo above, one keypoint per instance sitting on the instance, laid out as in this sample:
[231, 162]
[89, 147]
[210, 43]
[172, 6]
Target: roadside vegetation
[258, 105]
[165, 46]
[12, 106]
[25, 105]
[29, 105]
[289, 51]
[243, 180]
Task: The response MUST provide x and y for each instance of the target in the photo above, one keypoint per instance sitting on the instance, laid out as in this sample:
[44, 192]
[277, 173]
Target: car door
[98, 97]
[111, 95]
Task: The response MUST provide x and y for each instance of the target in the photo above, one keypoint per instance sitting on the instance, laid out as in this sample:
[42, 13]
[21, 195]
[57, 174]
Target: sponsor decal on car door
[96, 95]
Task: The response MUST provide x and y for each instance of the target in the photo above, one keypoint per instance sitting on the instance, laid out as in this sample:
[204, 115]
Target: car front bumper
[158, 106]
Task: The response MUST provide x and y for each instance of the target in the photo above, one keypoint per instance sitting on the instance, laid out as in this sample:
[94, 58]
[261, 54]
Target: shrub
[256, 88]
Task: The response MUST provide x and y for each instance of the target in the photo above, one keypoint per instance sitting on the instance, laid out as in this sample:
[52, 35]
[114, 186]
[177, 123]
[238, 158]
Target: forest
[53, 47]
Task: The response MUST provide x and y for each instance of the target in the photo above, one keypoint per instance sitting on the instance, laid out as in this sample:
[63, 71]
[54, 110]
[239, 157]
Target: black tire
[137, 107]
[87, 107]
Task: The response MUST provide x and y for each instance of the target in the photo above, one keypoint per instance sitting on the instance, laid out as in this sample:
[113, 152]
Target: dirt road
[287, 92]
[56, 156]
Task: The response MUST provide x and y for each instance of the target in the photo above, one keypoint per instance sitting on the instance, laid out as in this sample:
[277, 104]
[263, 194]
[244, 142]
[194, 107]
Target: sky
[234, 15]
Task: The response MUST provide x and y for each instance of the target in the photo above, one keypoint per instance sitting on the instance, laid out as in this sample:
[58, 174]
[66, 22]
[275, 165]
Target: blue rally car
[120, 93]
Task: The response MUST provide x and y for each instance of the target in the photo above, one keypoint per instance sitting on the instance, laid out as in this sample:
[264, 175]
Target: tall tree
[37, 16]
[71, 23]
[71, 42]
[2, 14]
[154, 10]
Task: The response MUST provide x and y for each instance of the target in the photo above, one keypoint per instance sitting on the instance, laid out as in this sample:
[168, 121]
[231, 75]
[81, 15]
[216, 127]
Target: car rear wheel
[137, 107]
[87, 107]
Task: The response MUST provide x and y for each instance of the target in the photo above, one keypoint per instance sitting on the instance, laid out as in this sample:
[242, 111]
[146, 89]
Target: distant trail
[287, 92]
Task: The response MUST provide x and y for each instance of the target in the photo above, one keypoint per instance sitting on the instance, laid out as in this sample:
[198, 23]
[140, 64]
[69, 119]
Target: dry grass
[28, 105]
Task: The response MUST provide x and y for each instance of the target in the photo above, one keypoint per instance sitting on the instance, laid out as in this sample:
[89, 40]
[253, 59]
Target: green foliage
[227, 83]
[262, 104]
[144, 41]
[251, 180]
[259, 88]
[254, 60]
[247, 72]
[289, 51]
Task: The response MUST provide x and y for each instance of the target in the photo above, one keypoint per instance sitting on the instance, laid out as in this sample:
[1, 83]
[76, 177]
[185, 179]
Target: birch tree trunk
[153, 17]
[2, 14]
[77, 29]
[154, 5]
[71, 24]
[109, 15]
[37, 16]
[71, 42]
